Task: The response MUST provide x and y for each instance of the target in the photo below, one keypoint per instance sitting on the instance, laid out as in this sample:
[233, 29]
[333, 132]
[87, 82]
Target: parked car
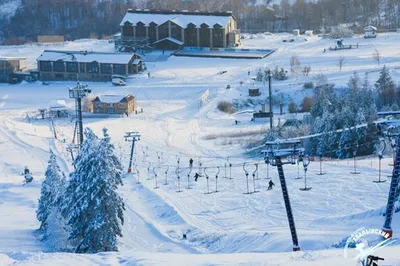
[118, 80]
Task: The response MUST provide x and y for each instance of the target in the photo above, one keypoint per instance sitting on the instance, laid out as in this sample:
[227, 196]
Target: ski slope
[224, 228]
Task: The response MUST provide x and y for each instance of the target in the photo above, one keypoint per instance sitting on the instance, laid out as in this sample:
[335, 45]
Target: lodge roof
[180, 17]
[170, 39]
[114, 98]
[85, 57]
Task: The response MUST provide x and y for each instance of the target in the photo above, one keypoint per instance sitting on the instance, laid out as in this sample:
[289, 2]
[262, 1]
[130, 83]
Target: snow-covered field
[224, 228]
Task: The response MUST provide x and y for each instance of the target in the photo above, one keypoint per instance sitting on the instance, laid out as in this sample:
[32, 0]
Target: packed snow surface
[224, 228]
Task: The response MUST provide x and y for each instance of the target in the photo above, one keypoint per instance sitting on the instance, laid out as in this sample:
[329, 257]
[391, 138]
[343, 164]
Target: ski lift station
[370, 32]
[58, 108]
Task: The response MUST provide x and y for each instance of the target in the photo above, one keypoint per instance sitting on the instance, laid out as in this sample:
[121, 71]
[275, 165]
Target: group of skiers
[197, 175]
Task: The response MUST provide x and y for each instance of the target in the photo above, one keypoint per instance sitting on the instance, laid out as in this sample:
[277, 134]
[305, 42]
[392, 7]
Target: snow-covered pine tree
[326, 142]
[93, 208]
[360, 132]
[386, 88]
[51, 191]
[260, 75]
[345, 144]
[354, 83]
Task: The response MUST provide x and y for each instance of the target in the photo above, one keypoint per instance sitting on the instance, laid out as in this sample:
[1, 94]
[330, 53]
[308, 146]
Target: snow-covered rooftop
[58, 105]
[370, 28]
[112, 98]
[171, 40]
[6, 58]
[85, 57]
[181, 19]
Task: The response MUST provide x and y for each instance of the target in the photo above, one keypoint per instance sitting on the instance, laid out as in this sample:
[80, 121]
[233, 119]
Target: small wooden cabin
[113, 104]
[9, 65]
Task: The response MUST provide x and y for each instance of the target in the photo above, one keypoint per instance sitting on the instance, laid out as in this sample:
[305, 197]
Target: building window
[119, 69]
[59, 67]
[140, 29]
[82, 67]
[127, 29]
[72, 67]
[45, 66]
[92, 67]
[105, 68]
[176, 31]
[163, 31]
[59, 76]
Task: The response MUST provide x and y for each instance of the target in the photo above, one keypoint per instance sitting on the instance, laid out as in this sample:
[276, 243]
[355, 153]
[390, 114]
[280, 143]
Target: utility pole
[271, 113]
[133, 137]
[77, 93]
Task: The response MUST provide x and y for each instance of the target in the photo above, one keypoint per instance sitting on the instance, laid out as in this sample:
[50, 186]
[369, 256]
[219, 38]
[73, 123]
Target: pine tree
[354, 83]
[50, 194]
[386, 88]
[260, 75]
[93, 208]
[345, 144]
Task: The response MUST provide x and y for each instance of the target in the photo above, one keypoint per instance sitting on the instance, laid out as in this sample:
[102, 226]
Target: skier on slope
[191, 163]
[27, 175]
[196, 176]
[270, 184]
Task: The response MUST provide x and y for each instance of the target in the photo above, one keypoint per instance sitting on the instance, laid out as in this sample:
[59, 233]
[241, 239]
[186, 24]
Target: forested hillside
[23, 20]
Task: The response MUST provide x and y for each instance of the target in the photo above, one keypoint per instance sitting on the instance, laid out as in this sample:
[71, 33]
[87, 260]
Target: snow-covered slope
[224, 228]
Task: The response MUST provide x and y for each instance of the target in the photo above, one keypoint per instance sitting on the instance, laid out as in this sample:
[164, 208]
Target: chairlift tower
[78, 93]
[132, 137]
[392, 132]
[277, 154]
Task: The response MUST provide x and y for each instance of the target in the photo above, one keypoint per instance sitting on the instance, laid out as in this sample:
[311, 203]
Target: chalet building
[173, 29]
[89, 66]
[9, 65]
[113, 104]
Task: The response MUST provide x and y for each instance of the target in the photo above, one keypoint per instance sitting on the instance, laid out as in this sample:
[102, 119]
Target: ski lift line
[188, 156]
[327, 133]
[240, 164]
[284, 140]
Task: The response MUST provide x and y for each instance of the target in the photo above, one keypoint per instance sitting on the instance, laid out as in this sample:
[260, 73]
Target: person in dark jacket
[270, 185]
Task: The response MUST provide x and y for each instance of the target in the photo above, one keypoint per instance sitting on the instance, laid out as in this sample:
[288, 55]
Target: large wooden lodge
[173, 29]
[84, 65]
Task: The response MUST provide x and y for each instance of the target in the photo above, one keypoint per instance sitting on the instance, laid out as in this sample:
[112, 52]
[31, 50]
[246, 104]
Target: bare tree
[377, 57]
[341, 62]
